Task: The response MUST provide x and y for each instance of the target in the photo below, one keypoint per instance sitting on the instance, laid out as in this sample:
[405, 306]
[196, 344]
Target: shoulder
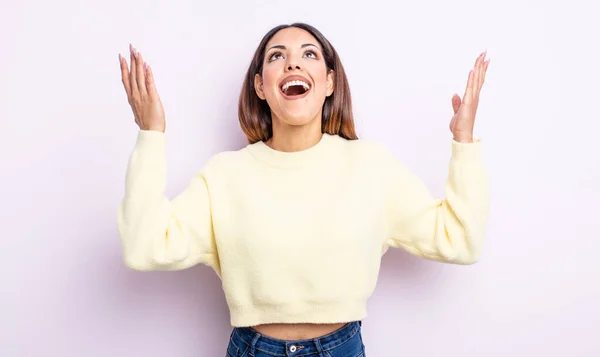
[225, 161]
[368, 149]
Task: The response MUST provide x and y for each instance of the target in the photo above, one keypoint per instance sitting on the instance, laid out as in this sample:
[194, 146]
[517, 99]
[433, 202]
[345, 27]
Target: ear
[330, 83]
[258, 86]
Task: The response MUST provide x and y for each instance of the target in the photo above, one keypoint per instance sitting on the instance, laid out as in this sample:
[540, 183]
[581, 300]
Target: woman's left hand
[463, 121]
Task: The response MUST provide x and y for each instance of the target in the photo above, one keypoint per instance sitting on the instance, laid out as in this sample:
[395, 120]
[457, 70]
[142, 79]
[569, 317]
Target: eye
[274, 56]
[310, 54]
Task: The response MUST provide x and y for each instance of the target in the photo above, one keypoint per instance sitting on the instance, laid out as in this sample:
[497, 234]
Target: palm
[463, 120]
[141, 92]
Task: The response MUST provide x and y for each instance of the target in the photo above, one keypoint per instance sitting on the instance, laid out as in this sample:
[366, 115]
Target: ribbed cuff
[151, 140]
[467, 151]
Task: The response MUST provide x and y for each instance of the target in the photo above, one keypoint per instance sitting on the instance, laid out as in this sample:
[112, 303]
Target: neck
[290, 138]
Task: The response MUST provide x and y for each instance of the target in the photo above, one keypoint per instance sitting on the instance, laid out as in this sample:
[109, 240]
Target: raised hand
[463, 121]
[141, 92]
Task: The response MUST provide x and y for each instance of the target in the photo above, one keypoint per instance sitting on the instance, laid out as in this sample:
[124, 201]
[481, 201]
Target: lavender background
[68, 131]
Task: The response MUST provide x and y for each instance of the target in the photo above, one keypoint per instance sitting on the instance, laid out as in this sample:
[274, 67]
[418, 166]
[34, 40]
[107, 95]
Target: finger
[132, 72]
[141, 74]
[150, 84]
[469, 90]
[477, 70]
[125, 75]
[485, 68]
[481, 72]
[456, 103]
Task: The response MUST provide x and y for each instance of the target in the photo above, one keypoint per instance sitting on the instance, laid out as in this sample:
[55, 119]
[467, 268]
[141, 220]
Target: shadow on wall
[183, 308]
[411, 277]
[196, 290]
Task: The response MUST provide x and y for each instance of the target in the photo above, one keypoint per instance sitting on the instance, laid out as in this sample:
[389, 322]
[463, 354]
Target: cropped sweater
[297, 237]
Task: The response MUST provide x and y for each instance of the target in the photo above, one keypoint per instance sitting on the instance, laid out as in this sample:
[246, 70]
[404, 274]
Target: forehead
[292, 37]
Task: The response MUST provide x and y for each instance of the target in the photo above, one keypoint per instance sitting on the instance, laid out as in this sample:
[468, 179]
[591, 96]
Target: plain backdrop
[67, 132]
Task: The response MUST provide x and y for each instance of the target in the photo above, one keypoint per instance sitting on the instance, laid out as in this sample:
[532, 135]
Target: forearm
[449, 229]
[153, 230]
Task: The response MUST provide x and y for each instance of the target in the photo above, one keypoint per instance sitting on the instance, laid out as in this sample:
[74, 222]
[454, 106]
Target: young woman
[296, 222]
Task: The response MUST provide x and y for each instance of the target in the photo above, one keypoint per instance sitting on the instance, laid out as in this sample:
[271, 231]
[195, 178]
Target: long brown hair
[254, 114]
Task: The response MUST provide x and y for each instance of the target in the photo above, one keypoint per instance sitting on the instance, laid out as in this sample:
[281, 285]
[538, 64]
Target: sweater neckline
[293, 159]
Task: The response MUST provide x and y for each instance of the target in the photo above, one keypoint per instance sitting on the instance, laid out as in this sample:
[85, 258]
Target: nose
[291, 67]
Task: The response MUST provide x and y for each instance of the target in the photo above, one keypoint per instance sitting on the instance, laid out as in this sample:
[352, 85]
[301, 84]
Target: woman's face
[294, 79]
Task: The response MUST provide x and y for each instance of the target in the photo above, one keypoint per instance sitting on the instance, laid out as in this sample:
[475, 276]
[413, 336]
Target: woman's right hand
[141, 92]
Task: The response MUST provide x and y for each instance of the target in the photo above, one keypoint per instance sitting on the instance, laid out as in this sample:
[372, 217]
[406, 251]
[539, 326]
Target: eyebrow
[282, 47]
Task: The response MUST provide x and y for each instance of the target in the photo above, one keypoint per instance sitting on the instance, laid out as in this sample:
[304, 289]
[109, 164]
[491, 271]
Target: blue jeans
[344, 342]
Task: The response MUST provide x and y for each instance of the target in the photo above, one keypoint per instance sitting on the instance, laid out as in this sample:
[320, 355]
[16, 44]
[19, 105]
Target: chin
[297, 119]
[297, 112]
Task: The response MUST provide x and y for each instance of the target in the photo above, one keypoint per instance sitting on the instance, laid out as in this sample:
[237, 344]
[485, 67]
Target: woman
[296, 222]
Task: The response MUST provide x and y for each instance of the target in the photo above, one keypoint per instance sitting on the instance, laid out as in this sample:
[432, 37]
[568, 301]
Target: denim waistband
[296, 348]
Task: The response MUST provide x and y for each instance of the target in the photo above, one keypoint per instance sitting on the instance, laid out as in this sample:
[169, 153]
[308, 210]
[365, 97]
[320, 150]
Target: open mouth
[295, 89]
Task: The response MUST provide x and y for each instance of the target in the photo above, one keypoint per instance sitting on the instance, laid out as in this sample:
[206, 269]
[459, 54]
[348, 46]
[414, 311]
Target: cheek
[320, 78]
[269, 80]
[321, 84]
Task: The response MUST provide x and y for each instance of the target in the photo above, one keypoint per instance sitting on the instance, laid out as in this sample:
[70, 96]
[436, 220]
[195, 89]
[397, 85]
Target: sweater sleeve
[448, 230]
[158, 233]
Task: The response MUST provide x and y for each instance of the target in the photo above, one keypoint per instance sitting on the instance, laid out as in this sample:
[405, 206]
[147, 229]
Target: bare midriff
[297, 331]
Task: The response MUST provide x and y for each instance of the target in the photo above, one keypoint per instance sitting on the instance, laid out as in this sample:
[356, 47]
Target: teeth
[295, 83]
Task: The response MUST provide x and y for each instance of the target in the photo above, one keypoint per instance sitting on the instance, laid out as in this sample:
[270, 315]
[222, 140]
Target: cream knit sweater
[298, 237]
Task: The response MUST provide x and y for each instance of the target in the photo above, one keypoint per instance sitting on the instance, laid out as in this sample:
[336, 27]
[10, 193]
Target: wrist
[154, 128]
[464, 139]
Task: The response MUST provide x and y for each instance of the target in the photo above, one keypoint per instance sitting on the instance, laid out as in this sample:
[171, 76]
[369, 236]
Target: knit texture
[297, 237]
